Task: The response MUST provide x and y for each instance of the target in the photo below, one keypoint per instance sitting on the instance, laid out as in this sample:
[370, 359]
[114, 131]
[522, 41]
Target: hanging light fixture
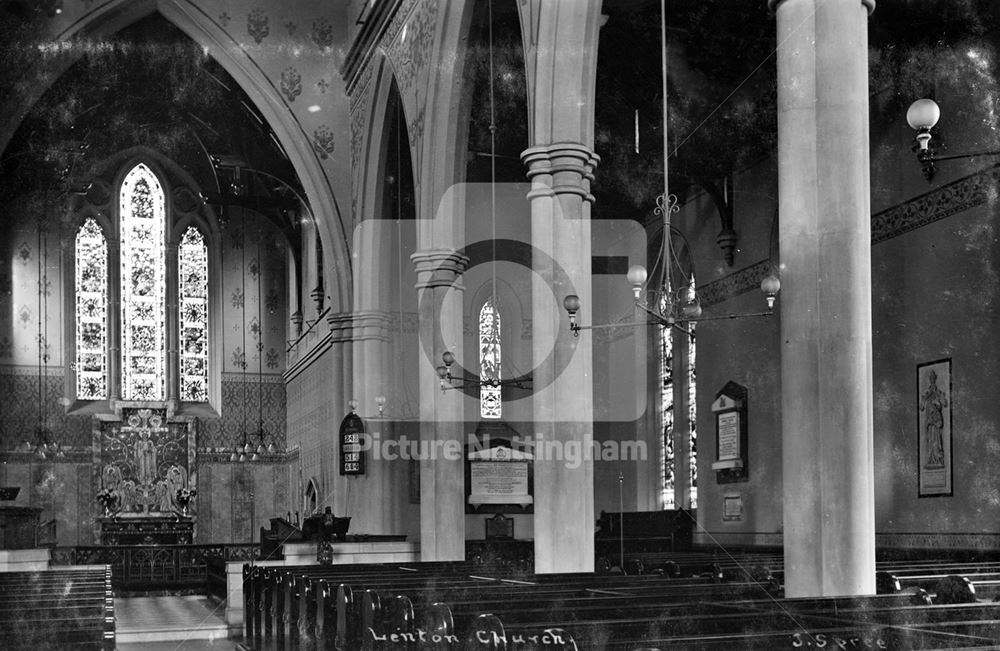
[444, 370]
[261, 448]
[44, 444]
[449, 381]
[666, 302]
[241, 451]
[923, 116]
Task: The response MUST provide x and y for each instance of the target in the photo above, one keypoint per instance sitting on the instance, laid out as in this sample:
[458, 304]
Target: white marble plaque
[499, 482]
[729, 435]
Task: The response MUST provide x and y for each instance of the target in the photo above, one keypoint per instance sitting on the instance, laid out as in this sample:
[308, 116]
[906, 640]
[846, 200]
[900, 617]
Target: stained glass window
[142, 214]
[192, 263]
[667, 492]
[91, 312]
[692, 388]
[490, 403]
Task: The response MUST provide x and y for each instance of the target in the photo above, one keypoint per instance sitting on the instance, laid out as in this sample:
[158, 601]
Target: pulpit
[145, 530]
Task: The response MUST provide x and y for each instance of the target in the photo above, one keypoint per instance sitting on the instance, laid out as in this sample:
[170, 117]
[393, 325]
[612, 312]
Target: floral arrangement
[185, 495]
[107, 498]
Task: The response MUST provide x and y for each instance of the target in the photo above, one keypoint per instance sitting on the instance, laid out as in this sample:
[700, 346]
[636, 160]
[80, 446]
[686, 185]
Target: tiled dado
[954, 541]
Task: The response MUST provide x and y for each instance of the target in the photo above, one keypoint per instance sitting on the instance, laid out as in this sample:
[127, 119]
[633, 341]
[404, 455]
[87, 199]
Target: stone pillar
[826, 325]
[561, 39]
[335, 485]
[563, 376]
[373, 496]
[442, 475]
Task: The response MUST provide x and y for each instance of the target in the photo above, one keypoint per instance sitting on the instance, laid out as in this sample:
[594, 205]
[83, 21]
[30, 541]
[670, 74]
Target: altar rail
[155, 567]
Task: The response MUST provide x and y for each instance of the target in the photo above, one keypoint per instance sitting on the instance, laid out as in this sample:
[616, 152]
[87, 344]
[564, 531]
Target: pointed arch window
[673, 495]
[667, 460]
[692, 389]
[143, 288]
[193, 278]
[490, 402]
[139, 331]
[91, 311]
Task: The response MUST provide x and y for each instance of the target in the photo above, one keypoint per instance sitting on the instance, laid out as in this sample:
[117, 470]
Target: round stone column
[826, 324]
[442, 468]
[563, 378]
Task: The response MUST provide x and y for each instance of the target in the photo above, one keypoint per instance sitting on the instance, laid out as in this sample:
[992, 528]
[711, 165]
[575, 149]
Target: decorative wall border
[736, 283]
[969, 192]
[950, 541]
[949, 199]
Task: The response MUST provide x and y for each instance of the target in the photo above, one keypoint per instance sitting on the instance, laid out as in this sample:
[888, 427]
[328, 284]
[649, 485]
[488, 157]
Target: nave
[469, 275]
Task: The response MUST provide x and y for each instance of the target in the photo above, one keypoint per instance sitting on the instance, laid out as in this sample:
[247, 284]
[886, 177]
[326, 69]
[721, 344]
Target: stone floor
[191, 623]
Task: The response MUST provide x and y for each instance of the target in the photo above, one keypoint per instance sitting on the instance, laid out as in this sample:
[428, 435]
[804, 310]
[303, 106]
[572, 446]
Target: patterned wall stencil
[86, 507]
[206, 531]
[242, 502]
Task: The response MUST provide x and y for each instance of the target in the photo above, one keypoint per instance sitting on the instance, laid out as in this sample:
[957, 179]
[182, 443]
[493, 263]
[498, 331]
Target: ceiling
[150, 85]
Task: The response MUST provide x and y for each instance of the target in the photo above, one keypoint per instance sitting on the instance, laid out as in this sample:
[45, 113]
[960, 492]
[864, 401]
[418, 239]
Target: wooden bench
[66, 609]
[407, 607]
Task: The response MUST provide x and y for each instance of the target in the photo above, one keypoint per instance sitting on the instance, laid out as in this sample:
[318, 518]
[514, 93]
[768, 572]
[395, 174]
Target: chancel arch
[320, 186]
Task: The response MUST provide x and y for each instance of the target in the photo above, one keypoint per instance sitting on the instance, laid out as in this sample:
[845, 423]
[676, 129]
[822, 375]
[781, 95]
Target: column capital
[571, 164]
[773, 5]
[341, 326]
[371, 324]
[439, 267]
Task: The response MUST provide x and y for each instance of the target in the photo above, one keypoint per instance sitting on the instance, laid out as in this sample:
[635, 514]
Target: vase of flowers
[108, 500]
[184, 497]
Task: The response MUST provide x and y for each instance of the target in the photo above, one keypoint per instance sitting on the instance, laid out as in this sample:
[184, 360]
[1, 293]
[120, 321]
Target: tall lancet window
[192, 262]
[667, 488]
[490, 403]
[142, 215]
[692, 388]
[91, 312]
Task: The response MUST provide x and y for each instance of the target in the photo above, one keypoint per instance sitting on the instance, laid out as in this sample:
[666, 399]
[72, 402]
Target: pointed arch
[194, 21]
[373, 280]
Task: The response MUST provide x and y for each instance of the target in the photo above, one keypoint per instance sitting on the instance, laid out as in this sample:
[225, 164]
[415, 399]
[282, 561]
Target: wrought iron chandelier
[666, 302]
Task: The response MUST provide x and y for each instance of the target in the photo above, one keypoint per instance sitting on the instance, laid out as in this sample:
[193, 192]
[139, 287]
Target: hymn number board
[352, 439]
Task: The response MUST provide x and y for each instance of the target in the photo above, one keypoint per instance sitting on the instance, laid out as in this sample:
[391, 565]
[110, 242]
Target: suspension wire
[667, 251]
[260, 346]
[243, 266]
[41, 289]
[493, 170]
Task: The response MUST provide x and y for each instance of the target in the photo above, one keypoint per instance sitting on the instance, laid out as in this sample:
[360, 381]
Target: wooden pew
[72, 609]
[321, 606]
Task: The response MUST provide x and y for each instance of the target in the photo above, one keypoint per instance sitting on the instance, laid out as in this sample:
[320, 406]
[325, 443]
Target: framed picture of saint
[934, 428]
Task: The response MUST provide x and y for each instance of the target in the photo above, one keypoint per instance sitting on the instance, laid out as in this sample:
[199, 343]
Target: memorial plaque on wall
[731, 434]
[498, 476]
[352, 438]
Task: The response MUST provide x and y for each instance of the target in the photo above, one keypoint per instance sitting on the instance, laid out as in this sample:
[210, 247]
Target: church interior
[672, 318]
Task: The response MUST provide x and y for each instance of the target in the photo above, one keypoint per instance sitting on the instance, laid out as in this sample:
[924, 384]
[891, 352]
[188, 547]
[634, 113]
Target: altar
[146, 479]
[126, 530]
